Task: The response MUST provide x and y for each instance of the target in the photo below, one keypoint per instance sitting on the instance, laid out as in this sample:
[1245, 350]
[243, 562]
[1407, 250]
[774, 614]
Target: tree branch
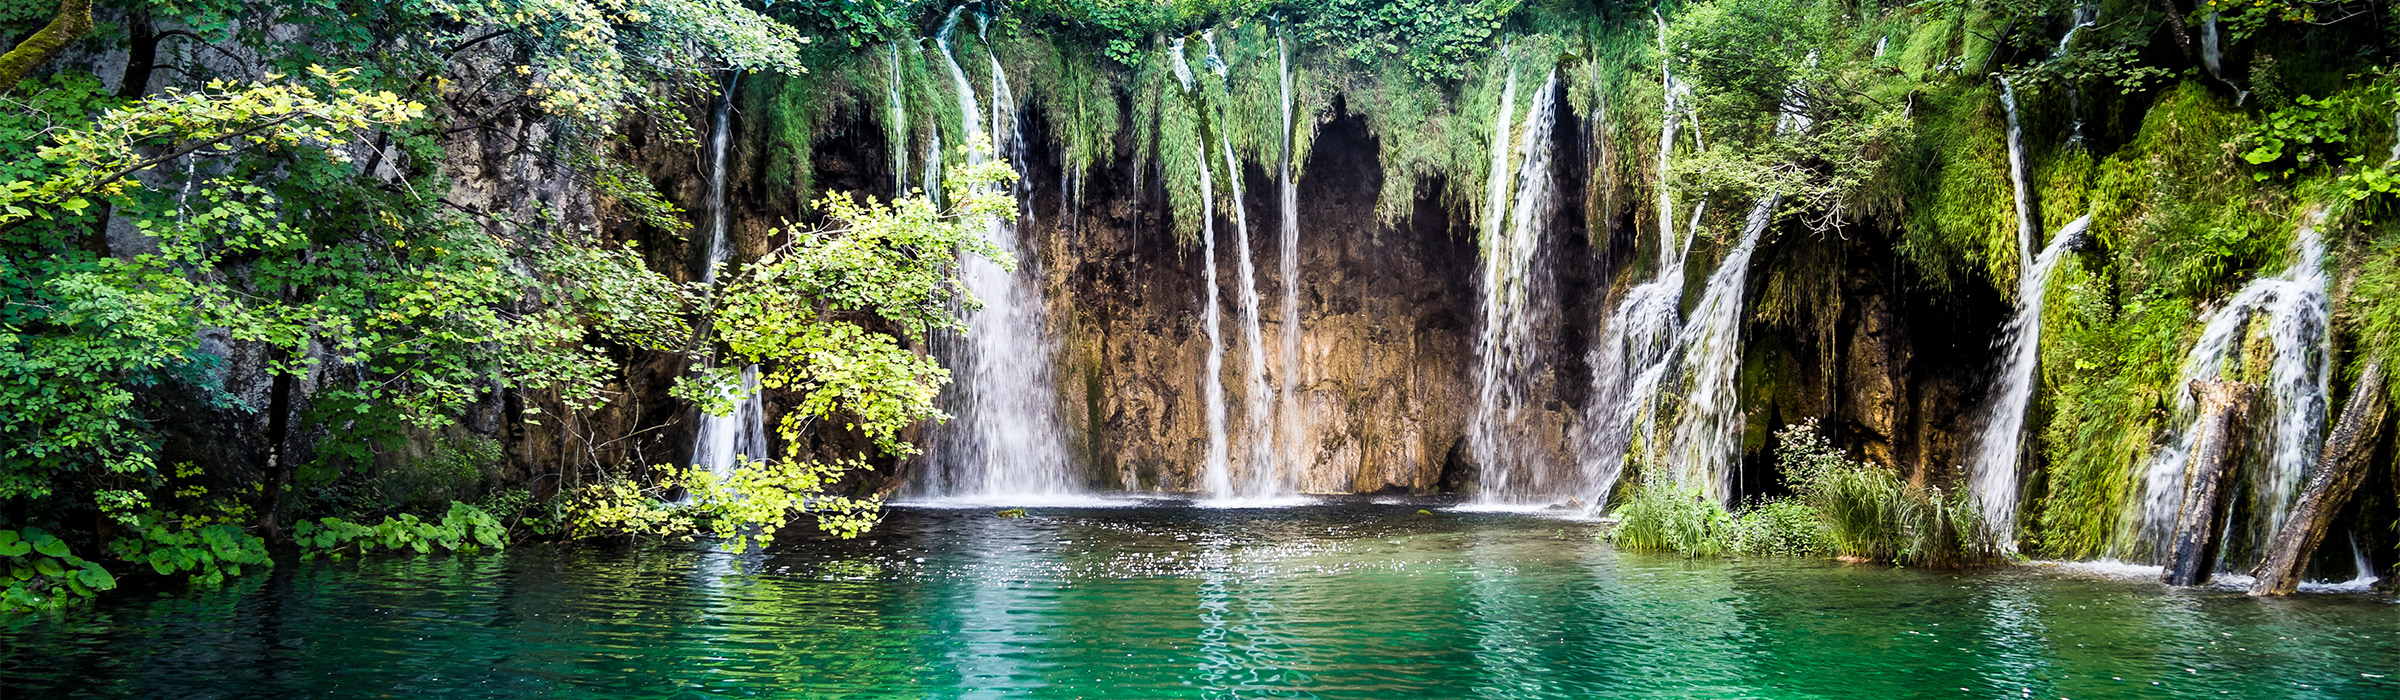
[185, 150]
[74, 20]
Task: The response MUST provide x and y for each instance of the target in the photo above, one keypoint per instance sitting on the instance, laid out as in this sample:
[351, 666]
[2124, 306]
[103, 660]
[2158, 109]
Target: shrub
[1870, 514]
[1664, 517]
[1782, 527]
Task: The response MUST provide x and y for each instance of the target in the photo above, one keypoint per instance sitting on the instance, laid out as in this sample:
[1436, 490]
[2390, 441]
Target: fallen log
[2340, 468]
[2225, 410]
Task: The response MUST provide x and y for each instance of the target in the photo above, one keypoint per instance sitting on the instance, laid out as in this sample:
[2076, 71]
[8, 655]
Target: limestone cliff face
[1386, 318]
[1389, 316]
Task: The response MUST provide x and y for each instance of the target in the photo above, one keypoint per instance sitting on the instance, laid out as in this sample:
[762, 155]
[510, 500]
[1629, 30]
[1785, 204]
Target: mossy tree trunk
[73, 21]
[2340, 468]
[2225, 411]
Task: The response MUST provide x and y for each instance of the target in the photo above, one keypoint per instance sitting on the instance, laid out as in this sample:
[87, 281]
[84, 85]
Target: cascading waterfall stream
[2017, 173]
[1708, 433]
[1265, 476]
[724, 442]
[2299, 379]
[1515, 302]
[1287, 435]
[899, 128]
[1216, 473]
[1999, 435]
[1499, 472]
[1005, 441]
[1638, 343]
[2087, 15]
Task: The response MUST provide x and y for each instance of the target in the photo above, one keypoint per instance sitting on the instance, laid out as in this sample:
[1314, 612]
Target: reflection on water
[1349, 599]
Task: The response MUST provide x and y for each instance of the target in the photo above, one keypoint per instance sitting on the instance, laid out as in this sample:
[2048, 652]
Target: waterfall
[932, 183]
[898, 136]
[2366, 577]
[2299, 378]
[1880, 43]
[725, 441]
[1632, 357]
[1289, 201]
[2086, 16]
[1999, 432]
[1266, 474]
[1005, 439]
[1514, 287]
[1708, 432]
[2017, 168]
[2212, 57]
[1216, 477]
[2212, 49]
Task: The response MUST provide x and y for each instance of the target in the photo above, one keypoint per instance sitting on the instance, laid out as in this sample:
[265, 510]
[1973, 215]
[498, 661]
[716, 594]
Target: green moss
[1953, 185]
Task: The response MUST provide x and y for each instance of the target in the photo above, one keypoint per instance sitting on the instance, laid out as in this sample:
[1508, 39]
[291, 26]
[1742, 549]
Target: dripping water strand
[1289, 202]
[1215, 471]
[724, 442]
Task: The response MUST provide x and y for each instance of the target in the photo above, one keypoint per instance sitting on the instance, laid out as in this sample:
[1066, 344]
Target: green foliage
[465, 528]
[40, 572]
[2300, 136]
[1871, 514]
[1780, 527]
[455, 469]
[206, 552]
[1439, 41]
[1663, 517]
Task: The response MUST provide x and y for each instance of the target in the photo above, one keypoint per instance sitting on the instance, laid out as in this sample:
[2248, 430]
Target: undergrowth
[1839, 507]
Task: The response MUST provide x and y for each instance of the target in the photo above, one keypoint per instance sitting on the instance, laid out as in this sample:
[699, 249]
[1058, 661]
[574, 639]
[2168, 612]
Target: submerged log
[2340, 468]
[2225, 410]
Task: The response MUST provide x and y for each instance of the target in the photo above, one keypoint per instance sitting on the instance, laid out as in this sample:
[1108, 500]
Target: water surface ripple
[1343, 600]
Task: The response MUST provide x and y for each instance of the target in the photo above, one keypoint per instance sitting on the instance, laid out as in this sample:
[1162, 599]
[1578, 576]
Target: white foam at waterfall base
[2299, 373]
[721, 443]
[1004, 442]
[1516, 301]
[2000, 430]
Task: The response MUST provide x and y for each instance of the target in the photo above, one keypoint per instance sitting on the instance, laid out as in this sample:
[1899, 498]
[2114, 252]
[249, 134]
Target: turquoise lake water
[1350, 600]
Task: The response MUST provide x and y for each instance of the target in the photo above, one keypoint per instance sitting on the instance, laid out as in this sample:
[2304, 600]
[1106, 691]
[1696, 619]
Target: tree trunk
[73, 21]
[141, 56]
[279, 462]
[2225, 409]
[2340, 468]
[2182, 32]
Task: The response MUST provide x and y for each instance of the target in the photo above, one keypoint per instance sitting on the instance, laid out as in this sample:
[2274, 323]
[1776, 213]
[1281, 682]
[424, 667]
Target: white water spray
[724, 442]
[2299, 378]
[1005, 441]
[1288, 434]
[2000, 430]
[1637, 347]
[1516, 301]
[1708, 432]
